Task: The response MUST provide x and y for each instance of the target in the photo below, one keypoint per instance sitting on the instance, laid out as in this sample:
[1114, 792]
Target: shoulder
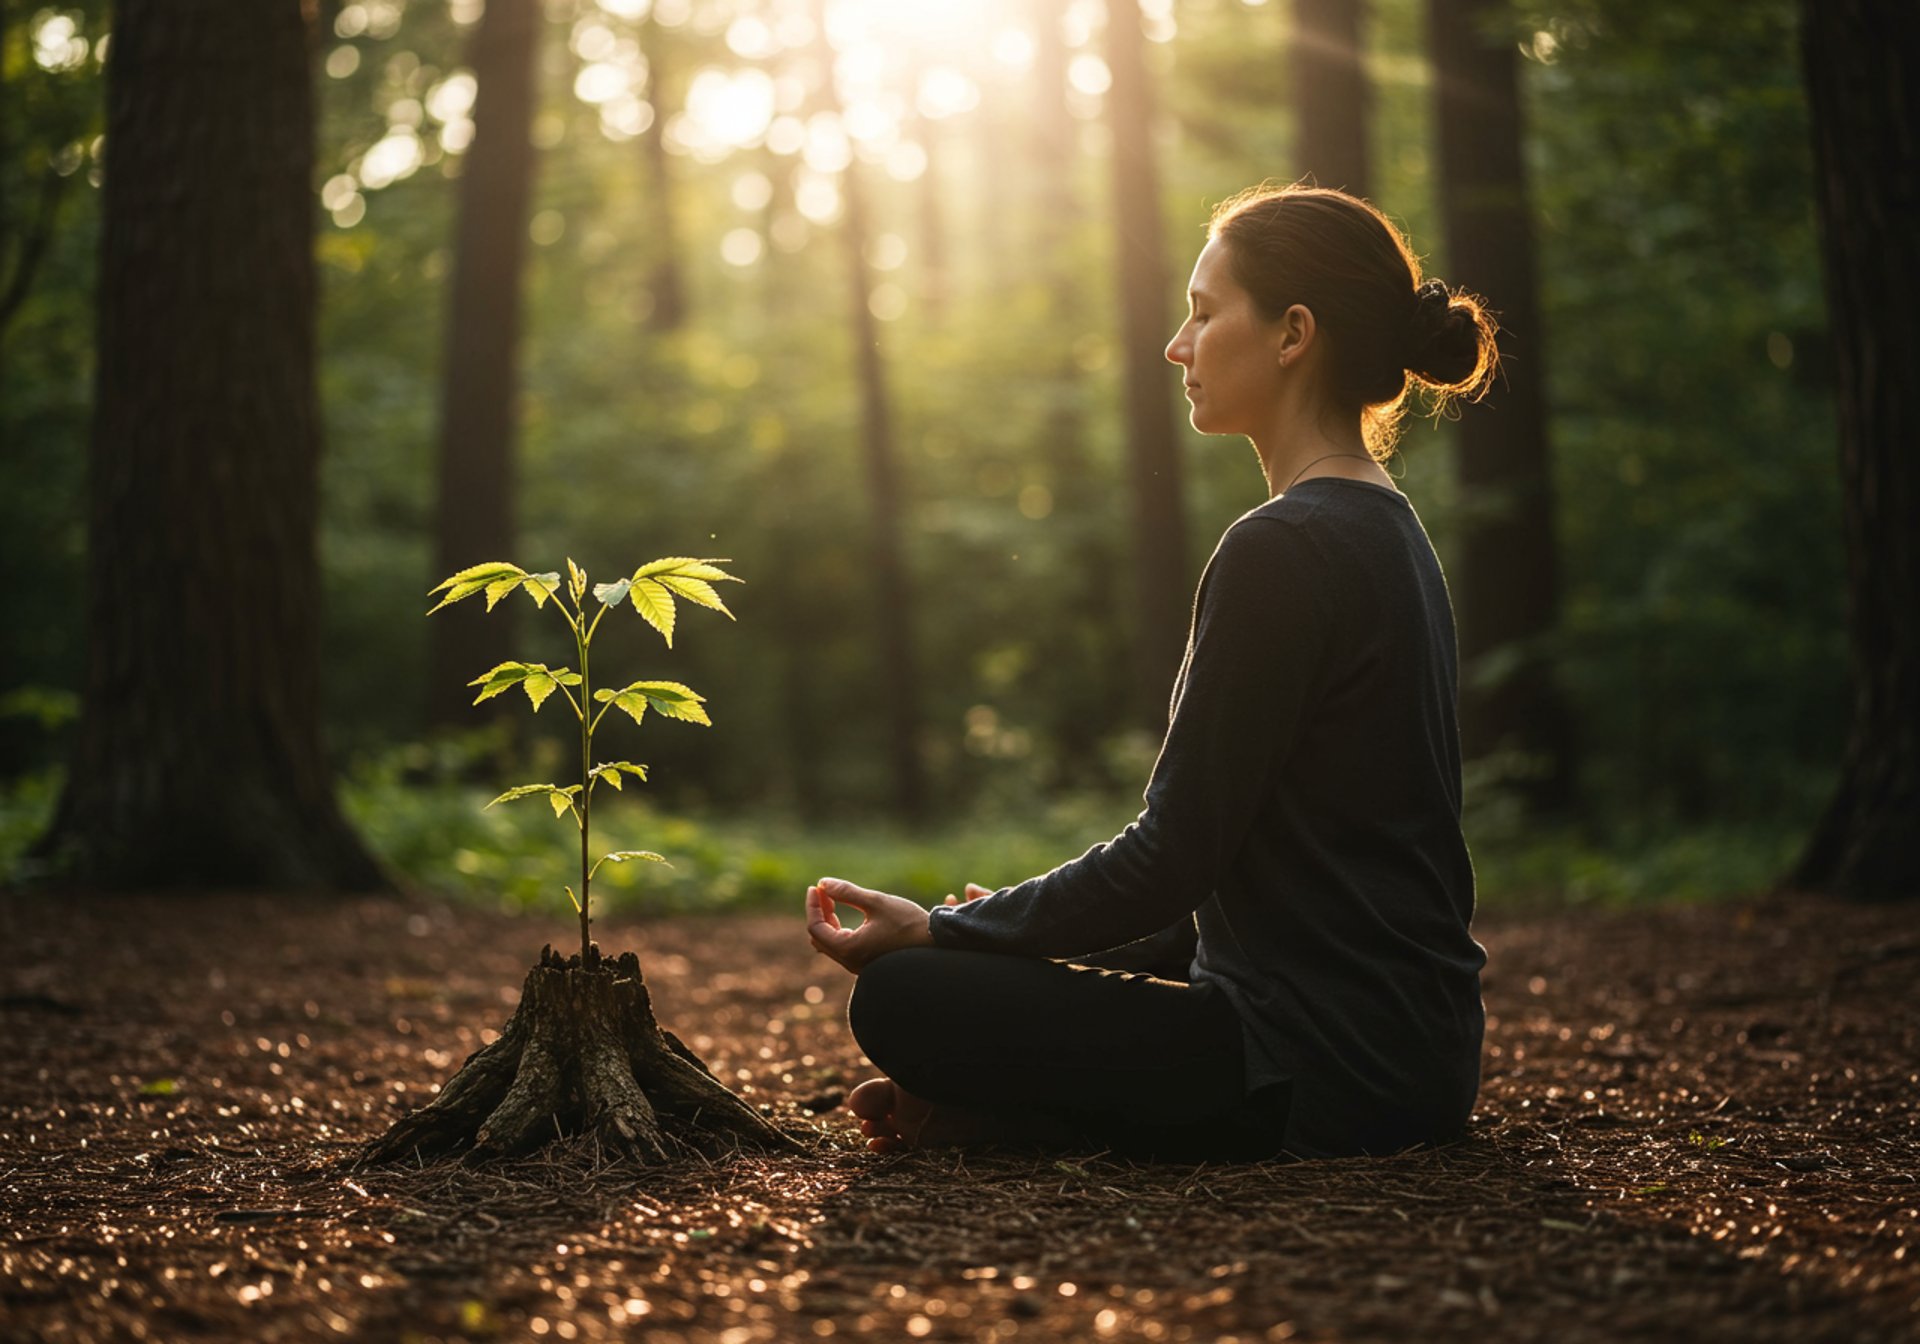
[1271, 560]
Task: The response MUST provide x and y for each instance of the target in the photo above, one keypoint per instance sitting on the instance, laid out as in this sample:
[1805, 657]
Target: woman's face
[1229, 352]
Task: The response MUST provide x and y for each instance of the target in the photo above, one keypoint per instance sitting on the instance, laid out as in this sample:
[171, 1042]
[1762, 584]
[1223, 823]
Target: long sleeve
[1252, 671]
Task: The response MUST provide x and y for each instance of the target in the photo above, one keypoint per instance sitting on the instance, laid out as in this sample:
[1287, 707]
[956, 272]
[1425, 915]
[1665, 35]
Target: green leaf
[482, 574]
[576, 581]
[612, 594]
[622, 855]
[696, 590]
[633, 704]
[566, 677]
[539, 686]
[502, 678]
[687, 567]
[562, 801]
[499, 589]
[673, 700]
[655, 603]
[520, 791]
[542, 587]
[612, 770]
[460, 593]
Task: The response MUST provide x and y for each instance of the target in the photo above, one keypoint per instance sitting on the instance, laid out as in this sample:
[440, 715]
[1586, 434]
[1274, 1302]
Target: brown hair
[1387, 329]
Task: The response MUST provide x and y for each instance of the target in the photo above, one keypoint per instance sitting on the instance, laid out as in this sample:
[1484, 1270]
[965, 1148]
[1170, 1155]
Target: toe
[872, 1100]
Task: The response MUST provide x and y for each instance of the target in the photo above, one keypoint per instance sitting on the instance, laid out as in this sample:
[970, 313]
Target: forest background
[683, 158]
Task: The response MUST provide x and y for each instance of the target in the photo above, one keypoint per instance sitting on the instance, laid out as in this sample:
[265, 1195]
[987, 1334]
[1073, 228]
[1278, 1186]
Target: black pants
[1144, 1066]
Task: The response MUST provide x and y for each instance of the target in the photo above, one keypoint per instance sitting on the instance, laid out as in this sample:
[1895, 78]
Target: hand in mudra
[890, 923]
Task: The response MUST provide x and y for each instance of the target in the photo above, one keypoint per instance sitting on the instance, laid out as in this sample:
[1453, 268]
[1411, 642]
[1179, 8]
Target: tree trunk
[479, 387]
[198, 757]
[668, 286]
[1084, 658]
[1155, 488]
[1506, 571]
[582, 1056]
[900, 689]
[1330, 95]
[1858, 59]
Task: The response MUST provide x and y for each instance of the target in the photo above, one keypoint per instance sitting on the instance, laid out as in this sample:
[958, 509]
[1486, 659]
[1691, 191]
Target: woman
[1300, 855]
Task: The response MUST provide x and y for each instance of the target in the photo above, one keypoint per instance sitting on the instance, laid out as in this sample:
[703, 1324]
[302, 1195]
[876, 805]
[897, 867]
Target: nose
[1176, 351]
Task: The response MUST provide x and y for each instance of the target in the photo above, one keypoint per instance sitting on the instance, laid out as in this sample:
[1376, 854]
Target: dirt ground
[1695, 1124]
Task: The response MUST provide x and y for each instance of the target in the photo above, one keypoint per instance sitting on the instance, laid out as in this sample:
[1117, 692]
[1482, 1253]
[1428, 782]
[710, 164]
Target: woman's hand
[891, 923]
[974, 892]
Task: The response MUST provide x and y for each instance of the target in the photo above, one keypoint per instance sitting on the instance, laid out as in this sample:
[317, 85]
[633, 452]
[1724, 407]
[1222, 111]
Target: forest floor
[1695, 1123]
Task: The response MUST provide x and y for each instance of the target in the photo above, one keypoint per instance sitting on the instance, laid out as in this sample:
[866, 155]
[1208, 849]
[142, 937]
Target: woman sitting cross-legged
[1293, 905]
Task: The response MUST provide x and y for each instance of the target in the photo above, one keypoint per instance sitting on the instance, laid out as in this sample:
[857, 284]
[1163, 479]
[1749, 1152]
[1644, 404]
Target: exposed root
[581, 1055]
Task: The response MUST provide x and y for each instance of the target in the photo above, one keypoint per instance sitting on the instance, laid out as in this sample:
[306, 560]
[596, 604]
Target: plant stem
[583, 637]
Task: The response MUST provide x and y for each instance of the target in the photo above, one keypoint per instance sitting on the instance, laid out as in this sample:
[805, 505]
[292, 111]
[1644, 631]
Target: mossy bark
[582, 1056]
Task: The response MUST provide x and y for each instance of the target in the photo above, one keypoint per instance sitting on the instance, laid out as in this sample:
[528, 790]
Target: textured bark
[1858, 59]
[668, 285]
[886, 504]
[1084, 650]
[198, 756]
[1330, 95]
[479, 388]
[581, 1056]
[1154, 481]
[1505, 577]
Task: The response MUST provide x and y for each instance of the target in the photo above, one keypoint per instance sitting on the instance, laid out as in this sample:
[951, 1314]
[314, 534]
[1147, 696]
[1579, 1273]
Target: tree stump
[582, 1056]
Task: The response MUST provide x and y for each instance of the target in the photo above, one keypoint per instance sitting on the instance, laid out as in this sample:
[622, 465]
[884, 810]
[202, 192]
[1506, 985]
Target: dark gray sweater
[1304, 814]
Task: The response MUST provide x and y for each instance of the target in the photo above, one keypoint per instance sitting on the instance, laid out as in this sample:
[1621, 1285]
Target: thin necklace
[1317, 461]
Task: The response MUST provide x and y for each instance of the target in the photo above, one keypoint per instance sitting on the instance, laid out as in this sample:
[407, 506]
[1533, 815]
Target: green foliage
[497, 580]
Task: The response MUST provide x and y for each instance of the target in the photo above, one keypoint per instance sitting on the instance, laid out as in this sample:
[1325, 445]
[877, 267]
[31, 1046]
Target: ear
[1293, 334]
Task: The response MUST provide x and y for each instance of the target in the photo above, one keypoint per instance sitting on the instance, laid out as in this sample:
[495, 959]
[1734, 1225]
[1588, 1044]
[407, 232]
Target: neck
[1299, 445]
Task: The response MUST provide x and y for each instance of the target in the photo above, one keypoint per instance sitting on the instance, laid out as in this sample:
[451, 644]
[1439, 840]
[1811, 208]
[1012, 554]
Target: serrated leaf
[622, 855]
[688, 566]
[519, 791]
[566, 676]
[634, 705]
[696, 590]
[541, 587]
[610, 776]
[655, 603]
[499, 589]
[492, 569]
[502, 678]
[612, 594]
[538, 686]
[459, 593]
[673, 700]
[562, 802]
[639, 772]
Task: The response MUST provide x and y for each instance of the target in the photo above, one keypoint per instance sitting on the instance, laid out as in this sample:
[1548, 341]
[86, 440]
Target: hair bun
[1444, 336]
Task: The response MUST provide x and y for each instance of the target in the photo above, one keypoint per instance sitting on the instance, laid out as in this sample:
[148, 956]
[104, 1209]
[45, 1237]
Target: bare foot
[891, 1117]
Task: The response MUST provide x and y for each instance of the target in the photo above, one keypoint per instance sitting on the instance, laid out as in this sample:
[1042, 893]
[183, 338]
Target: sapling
[583, 1053]
[651, 591]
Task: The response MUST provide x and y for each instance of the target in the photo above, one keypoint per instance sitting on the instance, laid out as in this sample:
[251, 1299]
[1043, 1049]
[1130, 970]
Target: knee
[888, 1009]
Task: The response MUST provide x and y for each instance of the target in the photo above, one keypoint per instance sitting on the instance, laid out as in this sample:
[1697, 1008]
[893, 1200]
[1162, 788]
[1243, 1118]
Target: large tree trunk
[1859, 59]
[896, 665]
[198, 759]
[1330, 94]
[668, 286]
[1082, 652]
[479, 386]
[1160, 569]
[1505, 576]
